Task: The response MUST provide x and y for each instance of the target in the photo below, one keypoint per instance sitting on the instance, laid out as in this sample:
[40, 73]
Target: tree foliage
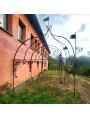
[53, 64]
[83, 65]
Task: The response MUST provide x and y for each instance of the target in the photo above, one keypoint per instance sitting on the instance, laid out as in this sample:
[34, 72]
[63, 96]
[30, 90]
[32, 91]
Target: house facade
[23, 48]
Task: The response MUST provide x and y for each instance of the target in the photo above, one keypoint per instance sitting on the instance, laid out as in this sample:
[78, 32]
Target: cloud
[55, 19]
[59, 19]
[82, 28]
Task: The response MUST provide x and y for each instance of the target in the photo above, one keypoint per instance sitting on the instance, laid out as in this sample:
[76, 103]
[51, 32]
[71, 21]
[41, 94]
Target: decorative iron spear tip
[65, 48]
[73, 36]
[46, 19]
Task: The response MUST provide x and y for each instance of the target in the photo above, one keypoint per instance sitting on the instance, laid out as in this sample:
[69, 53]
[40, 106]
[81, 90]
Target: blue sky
[65, 25]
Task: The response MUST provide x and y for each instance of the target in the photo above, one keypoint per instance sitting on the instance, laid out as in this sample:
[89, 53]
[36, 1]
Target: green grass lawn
[44, 90]
[83, 77]
[51, 73]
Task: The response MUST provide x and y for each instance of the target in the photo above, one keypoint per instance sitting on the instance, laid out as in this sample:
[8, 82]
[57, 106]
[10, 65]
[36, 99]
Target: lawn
[46, 89]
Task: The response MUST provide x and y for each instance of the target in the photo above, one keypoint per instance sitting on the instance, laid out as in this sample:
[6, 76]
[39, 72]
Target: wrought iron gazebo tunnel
[16, 62]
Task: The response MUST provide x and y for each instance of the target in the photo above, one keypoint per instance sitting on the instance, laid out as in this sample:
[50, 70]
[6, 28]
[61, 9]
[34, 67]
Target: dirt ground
[82, 86]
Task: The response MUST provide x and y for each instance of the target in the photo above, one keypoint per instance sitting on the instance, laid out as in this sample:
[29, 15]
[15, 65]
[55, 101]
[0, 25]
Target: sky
[66, 25]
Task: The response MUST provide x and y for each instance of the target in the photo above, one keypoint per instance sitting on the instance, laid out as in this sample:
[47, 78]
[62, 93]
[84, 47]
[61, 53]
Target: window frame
[36, 44]
[4, 19]
[20, 32]
[7, 25]
[23, 36]
[32, 45]
[38, 47]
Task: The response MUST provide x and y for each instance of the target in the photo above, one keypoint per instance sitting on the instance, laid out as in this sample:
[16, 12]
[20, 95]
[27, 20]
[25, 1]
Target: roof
[35, 23]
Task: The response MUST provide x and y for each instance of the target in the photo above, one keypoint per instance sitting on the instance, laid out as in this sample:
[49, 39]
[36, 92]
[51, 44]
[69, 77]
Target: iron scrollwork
[30, 64]
[16, 62]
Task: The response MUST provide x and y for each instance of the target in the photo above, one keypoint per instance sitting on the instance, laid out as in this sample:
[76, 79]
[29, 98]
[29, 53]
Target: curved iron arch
[64, 38]
[39, 55]
[30, 48]
[52, 46]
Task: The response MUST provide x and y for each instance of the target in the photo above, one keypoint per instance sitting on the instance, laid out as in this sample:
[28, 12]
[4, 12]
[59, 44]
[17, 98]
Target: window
[42, 50]
[36, 45]
[32, 42]
[21, 31]
[4, 21]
